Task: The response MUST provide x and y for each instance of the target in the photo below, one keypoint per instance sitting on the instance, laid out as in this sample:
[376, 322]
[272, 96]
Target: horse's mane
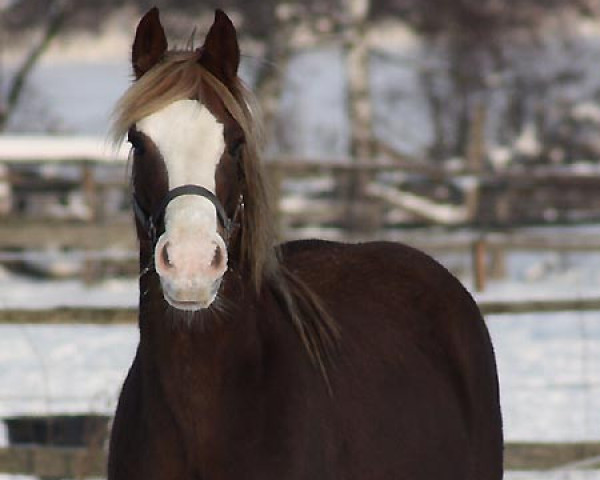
[180, 76]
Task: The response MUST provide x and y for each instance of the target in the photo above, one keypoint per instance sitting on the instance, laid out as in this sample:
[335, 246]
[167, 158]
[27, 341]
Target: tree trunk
[360, 114]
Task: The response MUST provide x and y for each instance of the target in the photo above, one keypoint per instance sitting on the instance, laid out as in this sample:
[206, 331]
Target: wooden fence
[491, 198]
[76, 463]
[486, 249]
[376, 214]
[123, 315]
[55, 462]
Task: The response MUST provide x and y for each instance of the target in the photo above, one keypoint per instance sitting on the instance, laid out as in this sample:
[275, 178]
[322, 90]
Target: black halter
[150, 221]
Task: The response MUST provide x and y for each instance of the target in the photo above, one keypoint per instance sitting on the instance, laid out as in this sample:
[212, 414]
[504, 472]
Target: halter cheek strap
[152, 220]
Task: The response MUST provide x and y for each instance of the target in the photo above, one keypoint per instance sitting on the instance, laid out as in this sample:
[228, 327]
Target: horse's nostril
[165, 255]
[217, 258]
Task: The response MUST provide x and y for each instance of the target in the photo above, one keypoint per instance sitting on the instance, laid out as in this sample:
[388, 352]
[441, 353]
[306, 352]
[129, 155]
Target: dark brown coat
[397, 380]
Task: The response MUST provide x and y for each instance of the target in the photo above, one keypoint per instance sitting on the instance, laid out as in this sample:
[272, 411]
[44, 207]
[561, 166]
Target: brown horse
[310, 360]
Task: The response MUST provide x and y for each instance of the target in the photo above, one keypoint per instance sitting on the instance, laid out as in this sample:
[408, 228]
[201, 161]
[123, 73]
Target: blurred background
[468, 129]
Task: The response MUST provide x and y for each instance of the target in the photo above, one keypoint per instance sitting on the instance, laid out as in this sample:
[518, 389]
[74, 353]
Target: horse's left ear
[220, 53]
[150, 43]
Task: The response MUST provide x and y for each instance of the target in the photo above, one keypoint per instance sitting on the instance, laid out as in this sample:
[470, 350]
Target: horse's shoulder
[300, 247]
[389, 255]
[386, 273]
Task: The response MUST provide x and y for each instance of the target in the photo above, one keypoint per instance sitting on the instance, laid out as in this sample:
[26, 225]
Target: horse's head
[184, 118]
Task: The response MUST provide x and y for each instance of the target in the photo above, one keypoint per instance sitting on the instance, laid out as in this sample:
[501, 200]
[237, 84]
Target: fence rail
[487, 250]
[375, 213]
[61, 462]
[53, 462]
[128, 315]
[490, 196]
[36, 234]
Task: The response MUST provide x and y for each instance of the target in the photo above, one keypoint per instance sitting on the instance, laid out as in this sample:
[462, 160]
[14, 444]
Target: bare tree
[264, 21]
[475, 36]
[481, 41]
[57, 14]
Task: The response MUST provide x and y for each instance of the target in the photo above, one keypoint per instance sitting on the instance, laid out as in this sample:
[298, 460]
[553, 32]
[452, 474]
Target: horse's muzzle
[190, 270]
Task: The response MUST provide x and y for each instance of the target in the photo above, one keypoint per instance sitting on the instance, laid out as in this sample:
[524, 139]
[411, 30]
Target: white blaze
[191, 142]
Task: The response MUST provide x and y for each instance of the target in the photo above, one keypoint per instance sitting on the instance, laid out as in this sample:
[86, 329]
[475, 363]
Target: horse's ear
[149, 45]
[220, 53]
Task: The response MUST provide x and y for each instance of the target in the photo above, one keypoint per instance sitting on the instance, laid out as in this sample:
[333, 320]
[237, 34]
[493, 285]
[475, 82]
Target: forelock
[179, 76]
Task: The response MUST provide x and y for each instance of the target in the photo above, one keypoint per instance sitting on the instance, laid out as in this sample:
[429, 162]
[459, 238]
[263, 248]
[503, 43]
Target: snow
[550, 388]
[549, 383]
[63, 369]
[552, 275]
[527, 144]
[36, 148]
[587, 111]
[18, 292]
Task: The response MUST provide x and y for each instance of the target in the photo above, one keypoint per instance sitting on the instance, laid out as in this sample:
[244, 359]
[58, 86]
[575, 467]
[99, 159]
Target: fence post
[90, 193]
[88, 181]
[360, 112]
[5, 190]
[479, 261]
[498, 262]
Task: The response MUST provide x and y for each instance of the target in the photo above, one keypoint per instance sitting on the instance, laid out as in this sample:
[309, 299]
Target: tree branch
[56, 20]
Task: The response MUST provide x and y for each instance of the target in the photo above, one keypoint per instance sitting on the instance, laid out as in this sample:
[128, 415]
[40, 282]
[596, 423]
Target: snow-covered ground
[19, 292]
[63, 369]
[550, 382]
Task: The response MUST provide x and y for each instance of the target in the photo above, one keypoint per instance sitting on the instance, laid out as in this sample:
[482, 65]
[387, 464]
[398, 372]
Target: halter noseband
[152, 220]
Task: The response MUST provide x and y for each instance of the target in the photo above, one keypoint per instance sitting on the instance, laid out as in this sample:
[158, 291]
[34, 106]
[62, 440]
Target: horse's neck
[196, 361]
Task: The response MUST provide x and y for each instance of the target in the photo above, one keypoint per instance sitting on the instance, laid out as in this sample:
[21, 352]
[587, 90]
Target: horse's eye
[235, 149]
[136, 141]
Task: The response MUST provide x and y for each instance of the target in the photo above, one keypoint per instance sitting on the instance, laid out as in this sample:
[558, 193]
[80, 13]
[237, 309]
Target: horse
[259, 361]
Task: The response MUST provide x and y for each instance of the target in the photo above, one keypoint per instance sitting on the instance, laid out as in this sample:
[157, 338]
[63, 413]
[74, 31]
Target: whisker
[170, 314]
[189, 318]
[149, 268]
[216, 310]
[223, 305]
[145, 271]
[219, 316]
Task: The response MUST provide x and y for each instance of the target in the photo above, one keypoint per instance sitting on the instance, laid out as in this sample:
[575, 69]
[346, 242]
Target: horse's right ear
[150, 43]
[220, 53]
